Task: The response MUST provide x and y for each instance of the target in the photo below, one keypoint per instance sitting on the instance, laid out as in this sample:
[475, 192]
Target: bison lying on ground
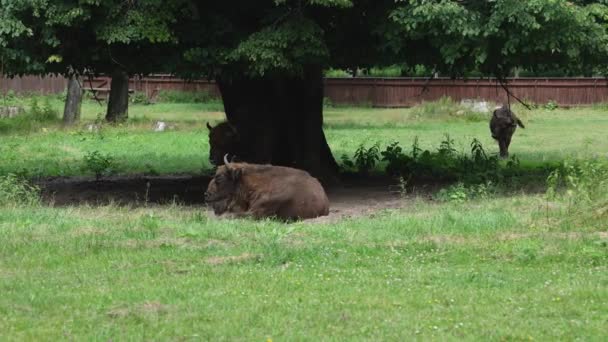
[223, 139]
[503, 125]
[261, 191]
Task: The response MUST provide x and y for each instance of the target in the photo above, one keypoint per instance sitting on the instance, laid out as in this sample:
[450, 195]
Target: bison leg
[504, 147]
[508, 142]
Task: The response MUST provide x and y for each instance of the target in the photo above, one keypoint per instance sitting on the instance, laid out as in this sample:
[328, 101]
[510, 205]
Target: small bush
[139, 98]
[327, 103]
[446, 164]
[44, 113]
[461, 192]
[445, 108]
[337, 73]
[366, 158]
[15, 190]
[175, 96]
[100, 164]
[551, 105]
[583, 185]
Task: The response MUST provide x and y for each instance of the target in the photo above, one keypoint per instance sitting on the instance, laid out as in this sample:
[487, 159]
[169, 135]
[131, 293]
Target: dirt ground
[352, 197]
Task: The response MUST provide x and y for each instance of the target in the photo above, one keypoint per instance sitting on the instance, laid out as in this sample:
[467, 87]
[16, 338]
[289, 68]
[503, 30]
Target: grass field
[507, 266]
[48, 150]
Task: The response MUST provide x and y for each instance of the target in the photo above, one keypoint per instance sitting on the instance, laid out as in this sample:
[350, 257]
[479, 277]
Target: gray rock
[160, 126]
[11, 111]
[476, 106]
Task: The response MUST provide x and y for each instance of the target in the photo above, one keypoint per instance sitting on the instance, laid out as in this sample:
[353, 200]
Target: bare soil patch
[353, 197]
[220, 260]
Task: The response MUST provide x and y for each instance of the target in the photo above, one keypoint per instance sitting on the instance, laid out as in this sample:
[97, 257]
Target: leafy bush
[583, 185]
[365, 159]
[447, 164]
[100, 164]
[551, 105]
[446, 108]
[176, 96]
[46, 113]
[15, 190]
[397, 161]
[337, 73]
[139, 97]
[461, 192]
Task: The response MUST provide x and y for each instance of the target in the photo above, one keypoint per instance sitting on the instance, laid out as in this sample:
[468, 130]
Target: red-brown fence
[377, 92]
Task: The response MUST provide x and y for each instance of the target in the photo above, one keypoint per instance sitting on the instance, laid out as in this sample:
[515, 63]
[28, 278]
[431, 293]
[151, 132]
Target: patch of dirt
[134, 190]
[184, 243]
[147, 308]
[220, 260]
[354, 197]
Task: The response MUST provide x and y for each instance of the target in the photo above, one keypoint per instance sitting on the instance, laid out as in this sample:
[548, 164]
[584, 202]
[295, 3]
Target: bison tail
[520, 124]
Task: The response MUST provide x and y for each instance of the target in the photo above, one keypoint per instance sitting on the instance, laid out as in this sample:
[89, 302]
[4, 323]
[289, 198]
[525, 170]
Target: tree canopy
[211, 38]
[268, 55]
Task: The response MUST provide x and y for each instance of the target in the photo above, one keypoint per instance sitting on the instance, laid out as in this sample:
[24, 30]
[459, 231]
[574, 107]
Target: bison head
[222, 188]
[223, 139]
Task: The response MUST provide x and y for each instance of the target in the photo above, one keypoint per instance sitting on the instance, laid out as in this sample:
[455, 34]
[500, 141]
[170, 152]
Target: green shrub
[15, 190]
[583, 186]
[44, 113]
[176, 96]
[365, 159]
[551, 105]
[444, 164]
[100, 164]
[446, 108]
[139, 97]
[461, 192]
[337, 73]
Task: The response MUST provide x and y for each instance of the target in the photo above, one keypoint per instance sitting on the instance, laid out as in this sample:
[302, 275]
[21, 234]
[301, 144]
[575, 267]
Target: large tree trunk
[118, 104]
[280, 121]
[73, 103]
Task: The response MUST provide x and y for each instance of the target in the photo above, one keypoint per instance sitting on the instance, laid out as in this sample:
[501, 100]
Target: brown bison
[503, 125]
[261, 191]
[223, 139]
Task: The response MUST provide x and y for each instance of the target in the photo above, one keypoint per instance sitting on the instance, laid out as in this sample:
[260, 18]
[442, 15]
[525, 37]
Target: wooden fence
[377, 92]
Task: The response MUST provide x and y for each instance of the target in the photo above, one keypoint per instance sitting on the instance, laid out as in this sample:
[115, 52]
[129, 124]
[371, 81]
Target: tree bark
[73, 102]
[118, 104]
[280, 121]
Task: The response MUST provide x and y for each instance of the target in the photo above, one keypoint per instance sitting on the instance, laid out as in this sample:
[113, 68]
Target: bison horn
[209, 126]
[226, 160]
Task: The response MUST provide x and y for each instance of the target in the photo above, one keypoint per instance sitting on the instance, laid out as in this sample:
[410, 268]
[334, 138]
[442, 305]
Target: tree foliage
[256, 38]
[57, 36]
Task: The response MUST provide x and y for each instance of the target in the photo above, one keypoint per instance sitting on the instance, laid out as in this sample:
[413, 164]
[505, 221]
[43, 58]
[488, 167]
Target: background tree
[70, 37]
[268, 56]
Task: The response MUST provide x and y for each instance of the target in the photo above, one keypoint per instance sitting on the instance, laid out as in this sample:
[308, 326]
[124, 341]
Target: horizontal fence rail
[377, 92]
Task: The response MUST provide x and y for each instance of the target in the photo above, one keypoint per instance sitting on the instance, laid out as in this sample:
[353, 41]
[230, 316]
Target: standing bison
[503, 125]
[261, 191]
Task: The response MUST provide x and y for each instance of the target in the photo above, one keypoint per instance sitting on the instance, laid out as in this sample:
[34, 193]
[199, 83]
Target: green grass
[506, 267]
[474, 271]
[45, 149]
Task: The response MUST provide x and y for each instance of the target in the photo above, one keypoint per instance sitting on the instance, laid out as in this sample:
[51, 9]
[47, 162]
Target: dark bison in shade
[223, 139]
[503, 125]
[261, 191]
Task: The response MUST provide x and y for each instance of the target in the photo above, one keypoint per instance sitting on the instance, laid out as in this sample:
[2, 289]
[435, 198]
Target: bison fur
[263, 191]
[503, 125]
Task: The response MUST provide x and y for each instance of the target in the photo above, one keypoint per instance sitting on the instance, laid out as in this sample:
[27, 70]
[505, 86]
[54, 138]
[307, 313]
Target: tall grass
[15, 191]
[36, 115]
[176, 96]
[445, 108]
